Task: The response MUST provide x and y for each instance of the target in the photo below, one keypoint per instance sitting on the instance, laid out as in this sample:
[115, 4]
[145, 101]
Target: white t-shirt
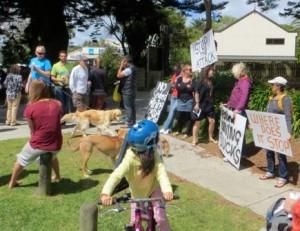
[79, 79]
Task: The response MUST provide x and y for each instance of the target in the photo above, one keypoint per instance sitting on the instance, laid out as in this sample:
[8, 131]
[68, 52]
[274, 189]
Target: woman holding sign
[204, 105]
[240, 93]
[279, 103]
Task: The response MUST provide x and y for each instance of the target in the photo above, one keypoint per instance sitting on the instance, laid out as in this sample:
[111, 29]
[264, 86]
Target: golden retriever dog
[99, 118]
[108, 145]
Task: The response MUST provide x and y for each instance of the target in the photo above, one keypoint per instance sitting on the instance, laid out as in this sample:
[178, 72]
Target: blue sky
[235, 8]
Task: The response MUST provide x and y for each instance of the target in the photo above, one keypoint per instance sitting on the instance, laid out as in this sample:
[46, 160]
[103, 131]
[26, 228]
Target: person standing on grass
[13, 85]
[167, 126]
[43, 115]
[97, 78]
[279, 103]
[79, 84]
[204, 101]
[60, 77]
[240, 94]
[185, 88]
[40, 68]
[127, 76]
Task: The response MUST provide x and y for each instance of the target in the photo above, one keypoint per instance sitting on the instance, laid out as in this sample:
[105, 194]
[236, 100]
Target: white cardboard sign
[270, 131]
[231, 136]
[203, 52]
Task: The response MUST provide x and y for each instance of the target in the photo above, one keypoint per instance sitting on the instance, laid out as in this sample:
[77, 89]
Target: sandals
[267, 176]
[280, 183]
[213, 141]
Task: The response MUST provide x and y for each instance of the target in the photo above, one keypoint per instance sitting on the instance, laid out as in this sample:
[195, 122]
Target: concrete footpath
[198, 166]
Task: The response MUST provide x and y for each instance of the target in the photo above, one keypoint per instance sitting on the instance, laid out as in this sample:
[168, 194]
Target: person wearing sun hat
[279, 103]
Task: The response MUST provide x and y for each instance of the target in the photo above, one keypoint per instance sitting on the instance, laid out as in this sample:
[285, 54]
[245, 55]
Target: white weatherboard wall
[248, 38]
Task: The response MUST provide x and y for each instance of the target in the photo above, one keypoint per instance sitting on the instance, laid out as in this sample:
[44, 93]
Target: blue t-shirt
[43, 64]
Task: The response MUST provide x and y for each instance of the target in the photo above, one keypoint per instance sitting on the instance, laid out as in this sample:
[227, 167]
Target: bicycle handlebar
[127, 199]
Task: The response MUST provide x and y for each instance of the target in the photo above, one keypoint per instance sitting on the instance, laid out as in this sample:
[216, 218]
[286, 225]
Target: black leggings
[182, 122]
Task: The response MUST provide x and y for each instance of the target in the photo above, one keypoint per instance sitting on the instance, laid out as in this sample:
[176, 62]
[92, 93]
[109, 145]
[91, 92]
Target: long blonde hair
[37, 91]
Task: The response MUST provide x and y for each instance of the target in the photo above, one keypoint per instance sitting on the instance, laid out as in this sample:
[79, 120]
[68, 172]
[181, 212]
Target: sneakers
[163, 131]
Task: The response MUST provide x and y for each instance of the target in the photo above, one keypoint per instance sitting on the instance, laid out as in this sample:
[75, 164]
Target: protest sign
[157, 101]
[231, 136]
[203, 52]
[270, 131]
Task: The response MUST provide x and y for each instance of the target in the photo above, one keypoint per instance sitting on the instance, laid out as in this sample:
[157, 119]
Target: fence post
[88, 217]
[44, 188]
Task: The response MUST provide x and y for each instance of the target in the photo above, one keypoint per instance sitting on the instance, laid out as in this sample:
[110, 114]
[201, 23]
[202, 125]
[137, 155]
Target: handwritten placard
[270, 131]
[203, 52]
[231, 135]
[157, 101]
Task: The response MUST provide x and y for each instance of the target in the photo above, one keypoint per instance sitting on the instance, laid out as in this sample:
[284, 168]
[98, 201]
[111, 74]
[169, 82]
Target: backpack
[279, 221]
[280, 101]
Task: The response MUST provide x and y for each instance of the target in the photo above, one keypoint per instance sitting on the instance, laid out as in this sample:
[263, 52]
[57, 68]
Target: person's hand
[196, 107]
[106, 200]
[289, 204]
[168, 196]
[27, 88]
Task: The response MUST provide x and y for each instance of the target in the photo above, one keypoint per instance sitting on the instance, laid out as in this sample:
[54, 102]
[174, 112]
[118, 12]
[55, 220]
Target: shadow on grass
[5, 179]
[99, 171]
[67, 186]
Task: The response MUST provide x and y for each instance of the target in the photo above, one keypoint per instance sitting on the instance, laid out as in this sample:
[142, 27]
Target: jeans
[129, 105]
[173, 105]
[283, 173]
[64, 96]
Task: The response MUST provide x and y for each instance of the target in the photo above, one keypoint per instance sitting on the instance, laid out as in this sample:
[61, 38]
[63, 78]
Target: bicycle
[143, 211]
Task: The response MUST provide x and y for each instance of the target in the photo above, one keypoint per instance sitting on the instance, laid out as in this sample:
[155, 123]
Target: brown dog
[99, 118]
[109, 145]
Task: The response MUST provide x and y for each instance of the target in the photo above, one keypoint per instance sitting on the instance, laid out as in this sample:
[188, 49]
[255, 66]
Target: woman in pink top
[43, 115]
[240, 94]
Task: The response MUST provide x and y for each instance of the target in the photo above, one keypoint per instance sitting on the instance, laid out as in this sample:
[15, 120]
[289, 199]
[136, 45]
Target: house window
[275, 41]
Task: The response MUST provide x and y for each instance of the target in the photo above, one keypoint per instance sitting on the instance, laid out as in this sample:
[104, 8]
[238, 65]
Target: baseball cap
[278, 80]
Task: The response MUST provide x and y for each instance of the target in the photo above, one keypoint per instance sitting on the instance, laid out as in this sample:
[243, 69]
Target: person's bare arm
[44, 73]
[28, 83]
[120, 73]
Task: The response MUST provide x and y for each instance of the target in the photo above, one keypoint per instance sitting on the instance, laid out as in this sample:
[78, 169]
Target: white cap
[278, 80]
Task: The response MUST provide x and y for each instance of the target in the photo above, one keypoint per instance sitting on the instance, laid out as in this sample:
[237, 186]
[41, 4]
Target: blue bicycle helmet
[143, 135]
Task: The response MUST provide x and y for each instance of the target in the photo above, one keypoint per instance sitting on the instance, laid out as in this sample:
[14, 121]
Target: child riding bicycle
[144, 170]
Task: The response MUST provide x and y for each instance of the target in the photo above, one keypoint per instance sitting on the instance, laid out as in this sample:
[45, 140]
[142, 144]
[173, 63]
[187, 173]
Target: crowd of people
[83, 87]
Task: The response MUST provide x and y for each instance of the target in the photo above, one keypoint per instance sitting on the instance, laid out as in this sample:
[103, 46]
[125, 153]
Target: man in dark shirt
[127, 76]
[97, 78]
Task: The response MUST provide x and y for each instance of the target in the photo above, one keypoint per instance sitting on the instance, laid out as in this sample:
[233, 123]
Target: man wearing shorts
[79, 84]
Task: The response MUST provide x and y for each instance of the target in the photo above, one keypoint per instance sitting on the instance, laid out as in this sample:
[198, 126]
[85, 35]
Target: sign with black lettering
[231, 135]
[270, 131]
[203, 52]
[157, 101]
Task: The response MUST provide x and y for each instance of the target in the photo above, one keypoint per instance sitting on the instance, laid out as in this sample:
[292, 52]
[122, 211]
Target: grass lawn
[21, 210]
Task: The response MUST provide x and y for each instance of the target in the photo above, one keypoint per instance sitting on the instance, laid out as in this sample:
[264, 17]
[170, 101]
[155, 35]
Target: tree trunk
[208, 8]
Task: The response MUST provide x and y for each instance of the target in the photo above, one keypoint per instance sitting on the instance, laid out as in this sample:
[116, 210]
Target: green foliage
[111, 60]
[259, 96]
[198, 208]
[296, 111]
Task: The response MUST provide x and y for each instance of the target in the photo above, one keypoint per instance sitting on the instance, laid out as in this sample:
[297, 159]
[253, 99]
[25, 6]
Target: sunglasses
[40, 53]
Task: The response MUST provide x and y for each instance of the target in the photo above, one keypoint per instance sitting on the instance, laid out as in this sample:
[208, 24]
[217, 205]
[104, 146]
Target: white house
[255, 38]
